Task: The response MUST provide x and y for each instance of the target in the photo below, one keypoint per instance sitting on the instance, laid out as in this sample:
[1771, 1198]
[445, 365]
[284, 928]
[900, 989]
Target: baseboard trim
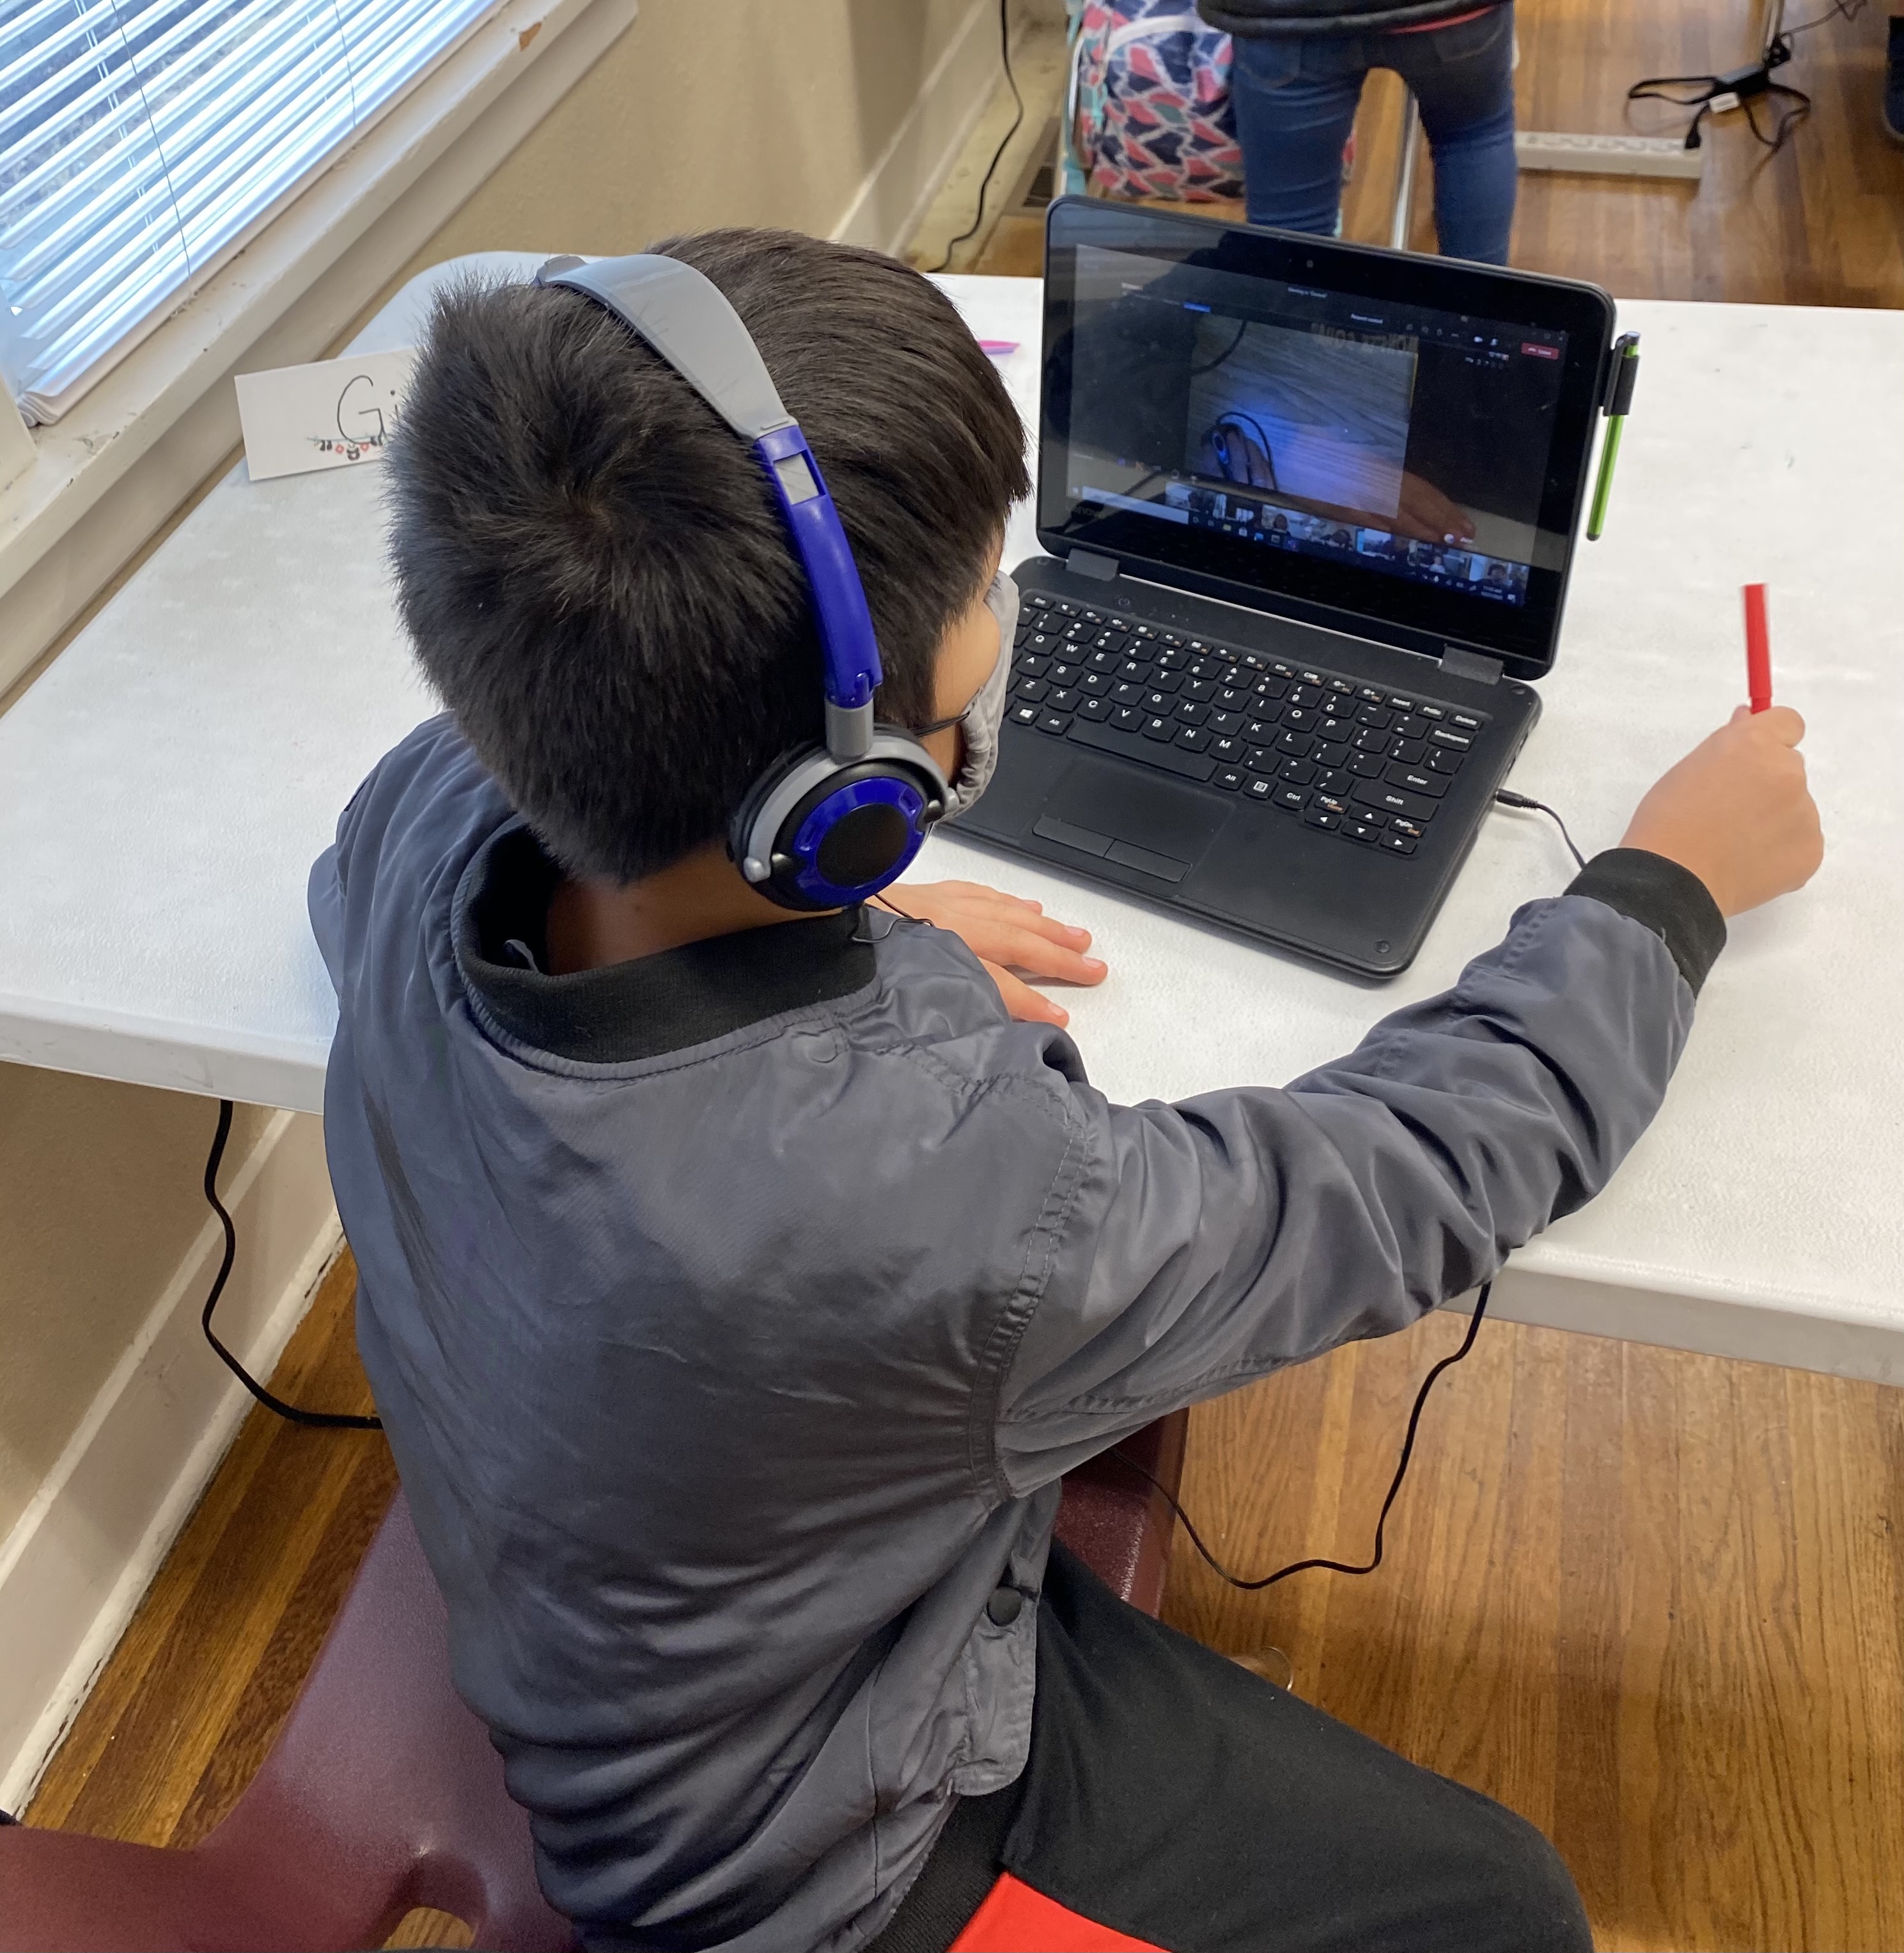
[80, 1558]
[895, 192]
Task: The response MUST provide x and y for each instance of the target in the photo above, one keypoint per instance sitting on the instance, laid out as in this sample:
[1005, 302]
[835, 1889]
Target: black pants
[1177, 1798]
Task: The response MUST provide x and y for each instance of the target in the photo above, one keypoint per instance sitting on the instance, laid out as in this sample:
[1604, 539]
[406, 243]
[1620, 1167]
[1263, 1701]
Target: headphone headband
[686, 318]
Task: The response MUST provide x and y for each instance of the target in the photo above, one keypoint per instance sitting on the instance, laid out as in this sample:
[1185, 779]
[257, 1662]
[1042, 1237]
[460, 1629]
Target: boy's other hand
[1007, 934]
[1737, 812]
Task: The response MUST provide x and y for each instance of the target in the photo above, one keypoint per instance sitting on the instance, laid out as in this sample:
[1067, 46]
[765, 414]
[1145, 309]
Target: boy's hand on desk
[1736, 811]
[1006, 933]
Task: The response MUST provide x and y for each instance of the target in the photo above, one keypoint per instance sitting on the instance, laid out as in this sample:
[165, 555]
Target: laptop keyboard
[1341, 756]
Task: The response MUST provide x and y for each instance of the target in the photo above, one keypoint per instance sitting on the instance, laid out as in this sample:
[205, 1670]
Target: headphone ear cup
[816, 833]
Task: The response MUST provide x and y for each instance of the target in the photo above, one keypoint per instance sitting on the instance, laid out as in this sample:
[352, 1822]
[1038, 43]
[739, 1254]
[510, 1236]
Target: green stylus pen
[1620, 399]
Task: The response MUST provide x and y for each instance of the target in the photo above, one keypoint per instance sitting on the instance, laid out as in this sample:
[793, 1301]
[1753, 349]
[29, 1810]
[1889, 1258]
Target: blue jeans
[1296, 98]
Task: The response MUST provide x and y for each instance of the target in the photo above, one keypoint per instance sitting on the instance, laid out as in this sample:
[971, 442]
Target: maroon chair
[383, 1792]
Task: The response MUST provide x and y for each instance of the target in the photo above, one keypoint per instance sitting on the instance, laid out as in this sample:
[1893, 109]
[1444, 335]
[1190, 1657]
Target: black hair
[592, 566]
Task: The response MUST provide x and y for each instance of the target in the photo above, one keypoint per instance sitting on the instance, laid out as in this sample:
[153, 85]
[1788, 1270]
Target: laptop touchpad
[1117, 815]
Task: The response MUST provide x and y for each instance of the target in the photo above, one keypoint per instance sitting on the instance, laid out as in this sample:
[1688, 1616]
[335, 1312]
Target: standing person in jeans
[1297, 78]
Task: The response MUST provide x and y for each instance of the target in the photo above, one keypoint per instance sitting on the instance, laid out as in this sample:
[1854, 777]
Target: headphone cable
[1395, 1484]
[998, 154]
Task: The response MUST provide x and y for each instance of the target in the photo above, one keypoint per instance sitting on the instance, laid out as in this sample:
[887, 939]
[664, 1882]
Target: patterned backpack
[1149, 109]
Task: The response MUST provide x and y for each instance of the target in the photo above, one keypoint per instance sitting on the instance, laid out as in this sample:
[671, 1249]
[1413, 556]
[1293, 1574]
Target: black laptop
[1310, 509]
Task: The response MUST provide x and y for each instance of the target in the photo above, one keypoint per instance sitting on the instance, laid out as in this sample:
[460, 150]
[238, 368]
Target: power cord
[1018, 120]
[1507, 798]
[323, 1420]
[1740, 88]
[1395, 1484]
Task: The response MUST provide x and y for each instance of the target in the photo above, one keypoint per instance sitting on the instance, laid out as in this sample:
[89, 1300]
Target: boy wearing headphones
[743, 1263]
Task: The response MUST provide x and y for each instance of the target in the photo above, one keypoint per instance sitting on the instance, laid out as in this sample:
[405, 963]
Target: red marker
[1758, 650]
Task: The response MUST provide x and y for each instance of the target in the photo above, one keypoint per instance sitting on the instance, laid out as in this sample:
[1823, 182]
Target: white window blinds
[141, 140]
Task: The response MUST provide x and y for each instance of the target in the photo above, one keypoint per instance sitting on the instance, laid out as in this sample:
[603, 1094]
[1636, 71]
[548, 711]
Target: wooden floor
[1820, 222]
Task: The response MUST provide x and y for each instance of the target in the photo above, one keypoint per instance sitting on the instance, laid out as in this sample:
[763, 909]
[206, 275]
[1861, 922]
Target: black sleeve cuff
[1670, 901]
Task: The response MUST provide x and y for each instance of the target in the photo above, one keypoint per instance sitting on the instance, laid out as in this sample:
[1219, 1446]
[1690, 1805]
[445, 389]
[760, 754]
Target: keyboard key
[1103, 661]
[1364, 765]
[1157, 727]
[1465, 721]
[1373, 816]
[1024, 714]
[1230, 779]
[1397, 703]
[1360, 830]
[1094, 682]
[1436, 712]
[1090, 616]
[1260, 729]
[1407, 752]
[1221, 721]
[1369, 695]
[1416, 781]
[1262, 759]
[1294, 799]
[1336, 781]
[1137, 670]
[1065, 609]
[1368, 740]
[1306, 695]
[1128, 718]
[1312, 678]
[1065, 671]
[1397, 844]
[1342, 684]
[1301, 743]
[1155, 700]
[1340, 730]
[1039, 600]
[1458, 742]
[1328, 754]
[1301, 719]
[1201, 689]
[1232, 695]
[1142, 631]
[1298, 773]
[1320, 816]
[1414, 727]
[1271, 687]
[1166, 681]
[1392, 800]
[1331, 802]
[1107, 739]
[1063, 698]
[1056, 723]
[1439, 762]
[1095, 708]
[1192, 738]
[1261, 787]
[1223, 747]
[1373, 715]
[1400, 823]
[1171, 660]
[1125, 693]
[1189, 713]
[1032, 689]
[1031, 664]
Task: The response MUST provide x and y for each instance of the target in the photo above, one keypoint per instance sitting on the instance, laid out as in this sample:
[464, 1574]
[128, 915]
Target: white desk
[165, 786]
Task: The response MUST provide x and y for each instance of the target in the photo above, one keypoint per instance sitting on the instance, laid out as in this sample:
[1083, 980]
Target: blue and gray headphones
[826, 826]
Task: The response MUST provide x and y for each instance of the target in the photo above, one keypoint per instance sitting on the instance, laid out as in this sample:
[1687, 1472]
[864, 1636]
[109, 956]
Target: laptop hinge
[1088, 562]
[1475, 665]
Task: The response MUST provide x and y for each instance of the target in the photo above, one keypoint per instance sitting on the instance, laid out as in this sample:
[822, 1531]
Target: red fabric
[1453, 20]
[1015, 1919]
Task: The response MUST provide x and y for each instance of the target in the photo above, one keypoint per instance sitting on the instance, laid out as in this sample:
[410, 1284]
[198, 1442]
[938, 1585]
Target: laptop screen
[1319, 423]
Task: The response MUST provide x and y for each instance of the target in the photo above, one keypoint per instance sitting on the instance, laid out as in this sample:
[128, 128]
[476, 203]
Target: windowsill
[178, 366]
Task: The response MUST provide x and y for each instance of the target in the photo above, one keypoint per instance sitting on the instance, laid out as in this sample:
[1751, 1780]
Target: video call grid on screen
[1401, 439]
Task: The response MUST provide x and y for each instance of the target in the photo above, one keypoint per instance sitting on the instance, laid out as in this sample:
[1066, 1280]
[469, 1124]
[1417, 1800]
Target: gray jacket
[734, 1313]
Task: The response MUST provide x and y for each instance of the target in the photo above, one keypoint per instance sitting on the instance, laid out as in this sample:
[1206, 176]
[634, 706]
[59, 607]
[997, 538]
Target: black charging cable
[322, 1420]
[1506, 796]
[1004, 141]
[1216, 1565]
